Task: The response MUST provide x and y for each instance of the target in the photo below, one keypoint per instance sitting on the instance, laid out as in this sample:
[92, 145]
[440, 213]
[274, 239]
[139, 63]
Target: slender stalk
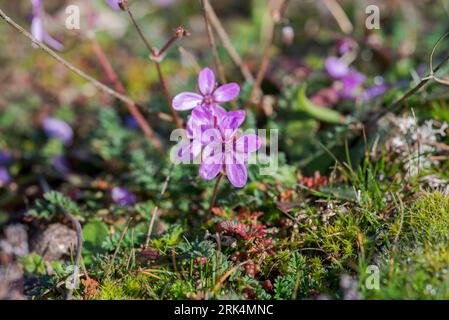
[212, 44]
[373, 120]
[214, 195]
[112, 76]
[139, 31]
[154, 55]
[276, 16]
[340, 16]
[118, 247]
[227, 43]
[189, 56]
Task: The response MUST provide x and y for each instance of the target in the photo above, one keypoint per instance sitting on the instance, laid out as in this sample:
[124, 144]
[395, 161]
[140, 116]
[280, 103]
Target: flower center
[208, 100]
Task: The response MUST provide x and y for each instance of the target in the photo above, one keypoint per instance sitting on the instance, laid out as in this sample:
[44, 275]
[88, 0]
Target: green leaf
[94, 233]
[320, 113]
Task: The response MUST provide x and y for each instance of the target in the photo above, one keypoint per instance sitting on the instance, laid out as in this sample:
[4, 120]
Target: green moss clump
[417, 267]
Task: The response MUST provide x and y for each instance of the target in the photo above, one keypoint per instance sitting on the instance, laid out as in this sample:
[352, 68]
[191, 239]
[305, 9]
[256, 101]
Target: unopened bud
[181, 32]
[123, 4]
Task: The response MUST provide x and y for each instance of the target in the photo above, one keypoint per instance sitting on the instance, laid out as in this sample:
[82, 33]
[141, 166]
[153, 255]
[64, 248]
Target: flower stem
[212, 44]
[154, 54]
[139, 31]
[214, 195]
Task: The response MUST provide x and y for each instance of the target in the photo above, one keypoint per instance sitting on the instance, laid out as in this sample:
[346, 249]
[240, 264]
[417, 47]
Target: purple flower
[131, 123]
[375, 90]
[123, 196]
[227, 150]
[114, 4]
[210, 95]
[336, 68]
[5, 158]
[5, 178]
[351, 84]
[38, 28]
[60, 164]
[345, 44]
[58, 129]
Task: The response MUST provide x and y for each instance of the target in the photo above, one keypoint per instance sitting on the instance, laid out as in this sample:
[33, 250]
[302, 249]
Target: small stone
[56, 241]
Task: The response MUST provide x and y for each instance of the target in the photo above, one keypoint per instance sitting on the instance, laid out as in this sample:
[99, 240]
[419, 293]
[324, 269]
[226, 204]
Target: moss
[417, 267]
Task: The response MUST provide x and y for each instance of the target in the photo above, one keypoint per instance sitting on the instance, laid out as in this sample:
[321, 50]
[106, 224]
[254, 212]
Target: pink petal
[186, 101]
[237, 175]
[202, 115]
[219, 112]
[227, 92]
[212, 161]
[113, 4]
[209, 171]
[188, 151]
[211, 136]
[37, 28]
[231, 122]
[248, 143]
[53, 42]
[206, 81]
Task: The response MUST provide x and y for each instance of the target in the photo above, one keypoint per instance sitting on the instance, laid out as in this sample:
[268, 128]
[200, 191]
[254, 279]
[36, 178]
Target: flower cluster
[348, 81]
[215, 131]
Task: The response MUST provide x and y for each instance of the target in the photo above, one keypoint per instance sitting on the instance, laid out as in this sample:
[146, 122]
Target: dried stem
[112, 76]
[118, 247]
[227, 44]
[213, 46]
[276, 16]
[340, 16]
[214, 195]
[155, 55]
[189, 56]
[373, 120]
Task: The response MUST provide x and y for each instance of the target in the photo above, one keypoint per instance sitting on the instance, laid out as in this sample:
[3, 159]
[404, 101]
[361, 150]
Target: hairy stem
[213, 46]
[214, 195]
[154, 54]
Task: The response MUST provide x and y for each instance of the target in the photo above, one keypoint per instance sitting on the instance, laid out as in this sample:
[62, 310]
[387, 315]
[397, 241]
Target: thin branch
[118, 247]
[214, 195]
[212, 43]
[189, 56]
[373, 120]
[340, 16]
[276, 16]
[227, 43]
